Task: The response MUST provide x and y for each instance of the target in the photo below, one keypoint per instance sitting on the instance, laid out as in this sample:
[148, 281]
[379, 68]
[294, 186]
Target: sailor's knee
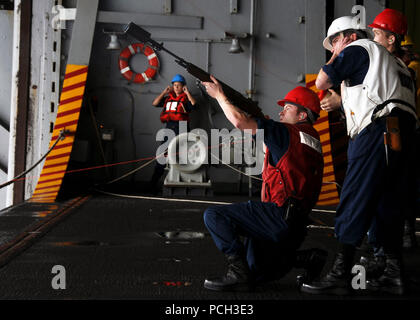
[210, 216]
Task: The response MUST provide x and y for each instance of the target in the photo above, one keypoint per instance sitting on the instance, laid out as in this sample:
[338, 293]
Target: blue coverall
[372, 190]
[269, 245]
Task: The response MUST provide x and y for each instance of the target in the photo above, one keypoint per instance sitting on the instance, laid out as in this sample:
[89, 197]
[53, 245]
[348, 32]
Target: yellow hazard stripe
[68, 113]
[47, 190]
[328, 191]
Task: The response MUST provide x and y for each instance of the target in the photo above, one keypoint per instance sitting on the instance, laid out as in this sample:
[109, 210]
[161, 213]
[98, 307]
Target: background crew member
[412, 60]
[389, 28]
[375, 87]
[176, 103]
[292, 178]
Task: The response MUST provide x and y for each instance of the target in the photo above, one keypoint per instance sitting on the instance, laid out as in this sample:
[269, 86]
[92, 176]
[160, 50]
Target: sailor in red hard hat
[389, 28]
[390, 20]
[300, 97]
[377, 95]
[274, 227]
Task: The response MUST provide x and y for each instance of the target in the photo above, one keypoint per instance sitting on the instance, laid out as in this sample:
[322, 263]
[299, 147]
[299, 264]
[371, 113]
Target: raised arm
[190, 97]
[322, 81]
[236, 116]
[165, 91]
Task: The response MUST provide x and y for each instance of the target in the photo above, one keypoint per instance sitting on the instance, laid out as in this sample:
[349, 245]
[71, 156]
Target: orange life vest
[298, 174]
[174, 108]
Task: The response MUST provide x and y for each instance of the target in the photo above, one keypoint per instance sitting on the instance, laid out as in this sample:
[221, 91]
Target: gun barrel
[137, 32]
[142, 35]
[240, 101]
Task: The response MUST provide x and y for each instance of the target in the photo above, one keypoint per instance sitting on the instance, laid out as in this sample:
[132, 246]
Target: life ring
[124, 59]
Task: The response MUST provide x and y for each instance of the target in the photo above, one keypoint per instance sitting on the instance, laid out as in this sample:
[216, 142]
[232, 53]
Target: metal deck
[145, 249]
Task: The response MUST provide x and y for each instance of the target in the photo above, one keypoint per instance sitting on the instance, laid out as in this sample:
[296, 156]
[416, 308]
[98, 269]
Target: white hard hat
[339, 25]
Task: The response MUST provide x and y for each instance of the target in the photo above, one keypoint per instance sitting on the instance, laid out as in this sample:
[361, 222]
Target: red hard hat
[391, 20]
[303, 97]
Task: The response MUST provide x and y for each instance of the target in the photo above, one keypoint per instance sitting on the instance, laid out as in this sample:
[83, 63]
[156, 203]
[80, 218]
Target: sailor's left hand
[331, 102]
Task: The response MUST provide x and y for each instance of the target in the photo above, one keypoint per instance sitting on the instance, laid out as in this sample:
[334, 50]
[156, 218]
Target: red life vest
[174, 108]
[298, 173]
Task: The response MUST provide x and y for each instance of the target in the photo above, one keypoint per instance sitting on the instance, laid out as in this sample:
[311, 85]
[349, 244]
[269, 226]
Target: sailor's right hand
[340, 44]
[213, 88]
[167, 90]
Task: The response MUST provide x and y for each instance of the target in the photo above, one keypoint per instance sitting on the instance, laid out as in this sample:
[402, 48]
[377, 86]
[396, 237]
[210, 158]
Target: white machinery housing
[187, 155]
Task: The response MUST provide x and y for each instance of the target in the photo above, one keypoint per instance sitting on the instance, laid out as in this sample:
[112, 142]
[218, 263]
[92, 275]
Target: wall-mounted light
[113, 44]
[235, 47]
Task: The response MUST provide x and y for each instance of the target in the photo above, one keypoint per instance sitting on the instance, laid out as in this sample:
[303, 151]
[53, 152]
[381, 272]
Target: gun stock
[237, 99]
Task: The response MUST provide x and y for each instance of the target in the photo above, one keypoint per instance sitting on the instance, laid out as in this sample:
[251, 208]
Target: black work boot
[337, 280]
[392, 279]
[409, 237]
[237, 277]
[312, 261]
[374, 266]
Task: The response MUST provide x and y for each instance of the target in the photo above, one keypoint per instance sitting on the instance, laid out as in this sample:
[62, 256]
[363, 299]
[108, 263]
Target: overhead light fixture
[235, 47]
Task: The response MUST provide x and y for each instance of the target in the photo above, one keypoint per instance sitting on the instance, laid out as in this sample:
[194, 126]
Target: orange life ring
[124, 59]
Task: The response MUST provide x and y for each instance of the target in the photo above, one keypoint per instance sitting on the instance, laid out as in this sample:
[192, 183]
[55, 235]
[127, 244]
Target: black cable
[98, 136]
[60, 137]
[131, 96]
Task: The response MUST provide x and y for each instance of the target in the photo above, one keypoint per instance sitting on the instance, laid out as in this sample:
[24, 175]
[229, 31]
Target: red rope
[117, 163]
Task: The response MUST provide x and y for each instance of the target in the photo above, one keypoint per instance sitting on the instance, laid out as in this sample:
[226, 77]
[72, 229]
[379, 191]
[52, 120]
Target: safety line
[160, 155]
[18, 178]
[181, 200]
[109, 165]
[160, 199]
[135, 170]
[89, 168]
[233, 168]
[311, 226]
[151, 159]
